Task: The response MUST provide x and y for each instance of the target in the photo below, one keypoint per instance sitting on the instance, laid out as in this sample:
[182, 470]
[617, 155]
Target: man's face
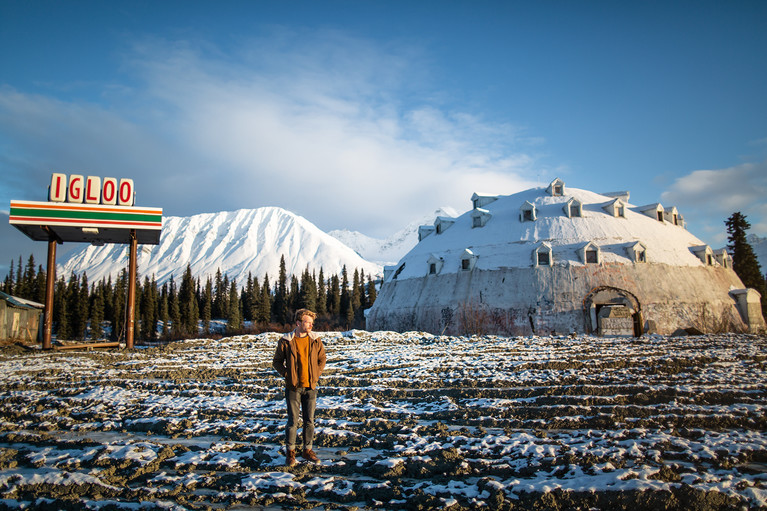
[305, 324]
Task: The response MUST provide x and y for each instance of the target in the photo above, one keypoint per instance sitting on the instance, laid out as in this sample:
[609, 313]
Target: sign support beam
[129, 331]
[50, 280]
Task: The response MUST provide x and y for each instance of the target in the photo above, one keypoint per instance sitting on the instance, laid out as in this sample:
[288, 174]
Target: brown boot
[309, 455]
[290, 458]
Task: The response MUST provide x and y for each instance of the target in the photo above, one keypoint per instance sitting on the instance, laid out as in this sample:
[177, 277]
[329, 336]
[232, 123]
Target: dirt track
[405, 421]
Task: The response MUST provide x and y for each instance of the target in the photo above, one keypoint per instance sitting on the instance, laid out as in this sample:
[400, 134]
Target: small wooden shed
[19, 319]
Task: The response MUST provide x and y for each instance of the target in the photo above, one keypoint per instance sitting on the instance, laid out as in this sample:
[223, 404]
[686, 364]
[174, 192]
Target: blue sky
[366, 115]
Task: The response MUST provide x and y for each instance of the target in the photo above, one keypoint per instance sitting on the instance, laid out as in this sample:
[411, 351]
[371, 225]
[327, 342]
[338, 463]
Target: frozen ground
[405, 421]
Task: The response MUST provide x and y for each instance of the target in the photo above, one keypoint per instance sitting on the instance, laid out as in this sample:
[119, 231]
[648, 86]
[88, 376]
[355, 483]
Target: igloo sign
[80, 189]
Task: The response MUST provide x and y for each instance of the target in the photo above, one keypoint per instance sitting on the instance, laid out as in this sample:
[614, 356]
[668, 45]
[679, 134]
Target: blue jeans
[307, 399]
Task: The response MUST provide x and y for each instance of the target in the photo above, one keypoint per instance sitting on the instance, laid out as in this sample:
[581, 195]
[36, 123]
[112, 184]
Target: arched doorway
[610, 310]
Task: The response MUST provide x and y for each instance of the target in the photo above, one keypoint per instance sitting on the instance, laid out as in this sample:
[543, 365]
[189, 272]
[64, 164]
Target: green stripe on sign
[86, 215]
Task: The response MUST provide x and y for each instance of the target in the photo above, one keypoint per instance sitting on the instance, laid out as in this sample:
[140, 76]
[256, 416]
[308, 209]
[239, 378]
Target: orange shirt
[302, 348]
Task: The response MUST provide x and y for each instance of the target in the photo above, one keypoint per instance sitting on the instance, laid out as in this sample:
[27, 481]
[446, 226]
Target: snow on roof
[506, 242]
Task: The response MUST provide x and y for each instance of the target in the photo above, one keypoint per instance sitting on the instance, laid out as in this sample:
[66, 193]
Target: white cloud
[708, 197]
[330, 127]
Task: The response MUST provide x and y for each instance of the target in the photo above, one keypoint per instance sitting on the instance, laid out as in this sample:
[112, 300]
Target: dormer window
[424, 230]
[637, 252]
[542, 255]
[434, 264]
[479, 217]
[468, 260]
[556, 188]
[616, 208]
[704, 253]
[672, 215]
[480, 201]
[723, 258]
[527, 212]
[573, 208]
[442, 223]
[589, 253]
[653, 211]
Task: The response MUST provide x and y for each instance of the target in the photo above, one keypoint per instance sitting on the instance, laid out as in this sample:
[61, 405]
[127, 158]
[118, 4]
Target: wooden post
[131, 290]
[50, 280]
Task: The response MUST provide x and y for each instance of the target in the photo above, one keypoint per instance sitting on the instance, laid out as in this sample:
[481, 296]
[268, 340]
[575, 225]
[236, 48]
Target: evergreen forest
[193, 307]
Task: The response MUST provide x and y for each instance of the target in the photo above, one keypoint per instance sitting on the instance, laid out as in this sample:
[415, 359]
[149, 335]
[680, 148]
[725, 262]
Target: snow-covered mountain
[392, 249]
[760, 249]
[236, 242]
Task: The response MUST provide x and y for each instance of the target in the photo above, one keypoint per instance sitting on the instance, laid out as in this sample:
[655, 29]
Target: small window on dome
[575, 210]
[465, 264]
[660, 216]
[591, 256]
[640, 255]
[433, 269]
[622, 211]
[477, 221]
[543, 259]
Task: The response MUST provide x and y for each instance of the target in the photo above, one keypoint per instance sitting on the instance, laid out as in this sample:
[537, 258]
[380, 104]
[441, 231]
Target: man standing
[300, 358]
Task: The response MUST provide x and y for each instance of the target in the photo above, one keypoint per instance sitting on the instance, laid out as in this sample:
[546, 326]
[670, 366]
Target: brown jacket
[285, 359]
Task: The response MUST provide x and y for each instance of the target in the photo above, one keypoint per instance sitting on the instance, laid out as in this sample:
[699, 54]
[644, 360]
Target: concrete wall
[522, 301]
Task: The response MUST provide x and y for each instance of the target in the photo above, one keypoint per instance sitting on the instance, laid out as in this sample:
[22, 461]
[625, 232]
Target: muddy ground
[405, 421]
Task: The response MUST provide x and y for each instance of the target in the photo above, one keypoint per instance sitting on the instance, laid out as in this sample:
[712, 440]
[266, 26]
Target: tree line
[177, 310]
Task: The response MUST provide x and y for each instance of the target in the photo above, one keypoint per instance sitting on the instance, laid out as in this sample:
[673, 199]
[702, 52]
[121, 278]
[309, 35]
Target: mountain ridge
[246, 242]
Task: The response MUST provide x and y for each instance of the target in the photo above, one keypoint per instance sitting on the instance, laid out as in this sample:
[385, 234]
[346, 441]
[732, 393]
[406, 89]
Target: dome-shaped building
[562, 260]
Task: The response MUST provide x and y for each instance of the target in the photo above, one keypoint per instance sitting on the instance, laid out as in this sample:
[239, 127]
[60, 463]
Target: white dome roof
[501, 238]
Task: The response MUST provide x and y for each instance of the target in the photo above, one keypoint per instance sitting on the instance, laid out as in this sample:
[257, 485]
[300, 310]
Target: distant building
[19, 319]
[563, 260]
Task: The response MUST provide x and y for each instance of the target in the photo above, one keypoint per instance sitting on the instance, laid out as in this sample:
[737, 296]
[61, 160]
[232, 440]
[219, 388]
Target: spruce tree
[18, 288]
[60, 312]
[280, 305]
[264, 314]
[207, 306]
[218, 296]
[234, 317]
[8, 283]
[744, 260]
[28, 280]
[118, 306]
[334, 296]
[308, 291]
[40, 286]
[188, 304]
[371, 292]
[97, 312]
[346, 299]
[294, 297]
[164, 312]
[322, 297]
[84, 306]
[174, 310]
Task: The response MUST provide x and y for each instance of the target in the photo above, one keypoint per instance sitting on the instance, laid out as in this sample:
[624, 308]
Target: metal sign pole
[131, 290]
[50, 280]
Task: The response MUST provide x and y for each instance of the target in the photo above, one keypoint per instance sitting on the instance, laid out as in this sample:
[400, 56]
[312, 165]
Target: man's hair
[300, 313]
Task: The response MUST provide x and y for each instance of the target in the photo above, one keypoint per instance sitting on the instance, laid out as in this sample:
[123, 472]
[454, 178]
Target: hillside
[247, 241]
